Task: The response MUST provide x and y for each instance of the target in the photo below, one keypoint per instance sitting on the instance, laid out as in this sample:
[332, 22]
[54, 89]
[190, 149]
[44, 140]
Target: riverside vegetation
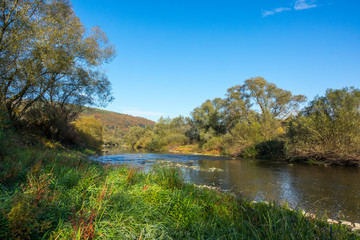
[260, 120]
[50, 69]
[59, 194]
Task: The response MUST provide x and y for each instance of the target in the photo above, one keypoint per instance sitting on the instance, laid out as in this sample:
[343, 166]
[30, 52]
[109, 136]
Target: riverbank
[195, 150]
[59, 194]
[353, 226]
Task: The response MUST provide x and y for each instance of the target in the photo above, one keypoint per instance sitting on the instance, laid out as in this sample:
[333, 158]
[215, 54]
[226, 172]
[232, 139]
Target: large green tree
[256, 94]
[47, 55]
[238, 107]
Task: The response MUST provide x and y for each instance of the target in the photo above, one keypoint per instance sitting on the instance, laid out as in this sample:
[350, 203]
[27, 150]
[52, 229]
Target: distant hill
[116, 125]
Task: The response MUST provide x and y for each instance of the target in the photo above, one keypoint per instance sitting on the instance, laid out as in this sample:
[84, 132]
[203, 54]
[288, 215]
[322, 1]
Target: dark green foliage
[50, 67]
[328, 129]
[259, 101]
[165, 134]
[51, 121]
[214, 143]
[209, 117]
[248, 122]
[257, 118]
[3, 143]
[48, 56]
[254, 112]
[134, 135]
[177, 139]
[272, 149]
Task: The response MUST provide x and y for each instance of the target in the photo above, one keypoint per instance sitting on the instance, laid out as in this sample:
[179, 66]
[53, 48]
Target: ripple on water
[331, 190]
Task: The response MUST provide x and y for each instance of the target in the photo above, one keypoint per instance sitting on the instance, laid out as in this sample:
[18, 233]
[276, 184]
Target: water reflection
[331, 190]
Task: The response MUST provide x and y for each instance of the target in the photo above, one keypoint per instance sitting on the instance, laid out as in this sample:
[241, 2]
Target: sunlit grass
[61, 195]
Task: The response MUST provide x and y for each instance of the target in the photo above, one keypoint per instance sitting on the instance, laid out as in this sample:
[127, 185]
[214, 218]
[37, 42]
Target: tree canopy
[328, 128]
[46, 54]
[256, 94]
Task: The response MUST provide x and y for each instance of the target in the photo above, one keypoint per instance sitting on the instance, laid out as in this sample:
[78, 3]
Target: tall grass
[55, 194]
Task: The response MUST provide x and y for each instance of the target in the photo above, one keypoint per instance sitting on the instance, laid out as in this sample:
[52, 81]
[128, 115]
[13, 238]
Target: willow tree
[273, 102]
[47, 55]
[253, 115]
[328, 128]
[209, 117]
[260, 101]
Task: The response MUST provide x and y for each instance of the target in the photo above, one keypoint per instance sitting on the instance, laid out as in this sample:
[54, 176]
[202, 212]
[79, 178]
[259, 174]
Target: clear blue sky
[172, 55]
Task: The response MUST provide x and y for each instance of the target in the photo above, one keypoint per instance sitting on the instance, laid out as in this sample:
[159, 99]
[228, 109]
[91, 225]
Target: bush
[133, 136]
[272, 149]
[50, 121]
[242, 136]
[328, 129]
[90, 133]
[214, 143]
[2, 143]
[177, 139]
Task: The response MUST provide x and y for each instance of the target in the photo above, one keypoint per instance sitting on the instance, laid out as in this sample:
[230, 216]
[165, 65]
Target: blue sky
[172, 55]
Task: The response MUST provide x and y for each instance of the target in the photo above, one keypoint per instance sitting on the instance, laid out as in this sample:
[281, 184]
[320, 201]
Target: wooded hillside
[116, 125]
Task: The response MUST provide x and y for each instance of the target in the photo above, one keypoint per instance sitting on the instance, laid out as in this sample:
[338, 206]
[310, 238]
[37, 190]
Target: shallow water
[331, 190]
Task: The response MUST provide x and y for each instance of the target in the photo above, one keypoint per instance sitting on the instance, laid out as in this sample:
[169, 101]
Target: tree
[258, 94]
[180, 125]
[209, 116]
[238, 106]
[260, 101]
[273, 102]
[134, 135]
[162, 127]
[328, 128]
[253, 115]
[47, 55]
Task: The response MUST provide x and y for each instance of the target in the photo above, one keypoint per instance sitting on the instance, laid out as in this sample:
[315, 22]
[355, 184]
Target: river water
[331, 190]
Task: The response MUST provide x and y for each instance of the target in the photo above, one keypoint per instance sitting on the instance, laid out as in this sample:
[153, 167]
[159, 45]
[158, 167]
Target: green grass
[58, 194]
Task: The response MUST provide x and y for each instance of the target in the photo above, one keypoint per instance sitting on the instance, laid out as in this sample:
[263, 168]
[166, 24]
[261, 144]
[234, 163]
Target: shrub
[242, 136]
[328, 129]
[214, 143]
[90, 132]
[177, 139]
[51, 121]
[272, 149]
[134, 135]
[3, 143]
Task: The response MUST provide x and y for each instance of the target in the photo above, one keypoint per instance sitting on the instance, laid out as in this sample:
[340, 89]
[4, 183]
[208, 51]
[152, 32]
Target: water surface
[331, 190]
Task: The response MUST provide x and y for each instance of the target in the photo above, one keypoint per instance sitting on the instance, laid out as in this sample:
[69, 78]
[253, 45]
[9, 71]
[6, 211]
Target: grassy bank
[59, 194]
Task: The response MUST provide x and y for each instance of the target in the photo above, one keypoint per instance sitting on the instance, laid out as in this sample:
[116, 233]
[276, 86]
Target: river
[331, 190]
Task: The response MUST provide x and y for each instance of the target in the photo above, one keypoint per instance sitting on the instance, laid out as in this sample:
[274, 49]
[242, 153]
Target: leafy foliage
[250, 114]
[90, 132]
[258, 119]
[165, 134]
[328, 129]
[209, 118]
[116, 125]
[47, 55]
